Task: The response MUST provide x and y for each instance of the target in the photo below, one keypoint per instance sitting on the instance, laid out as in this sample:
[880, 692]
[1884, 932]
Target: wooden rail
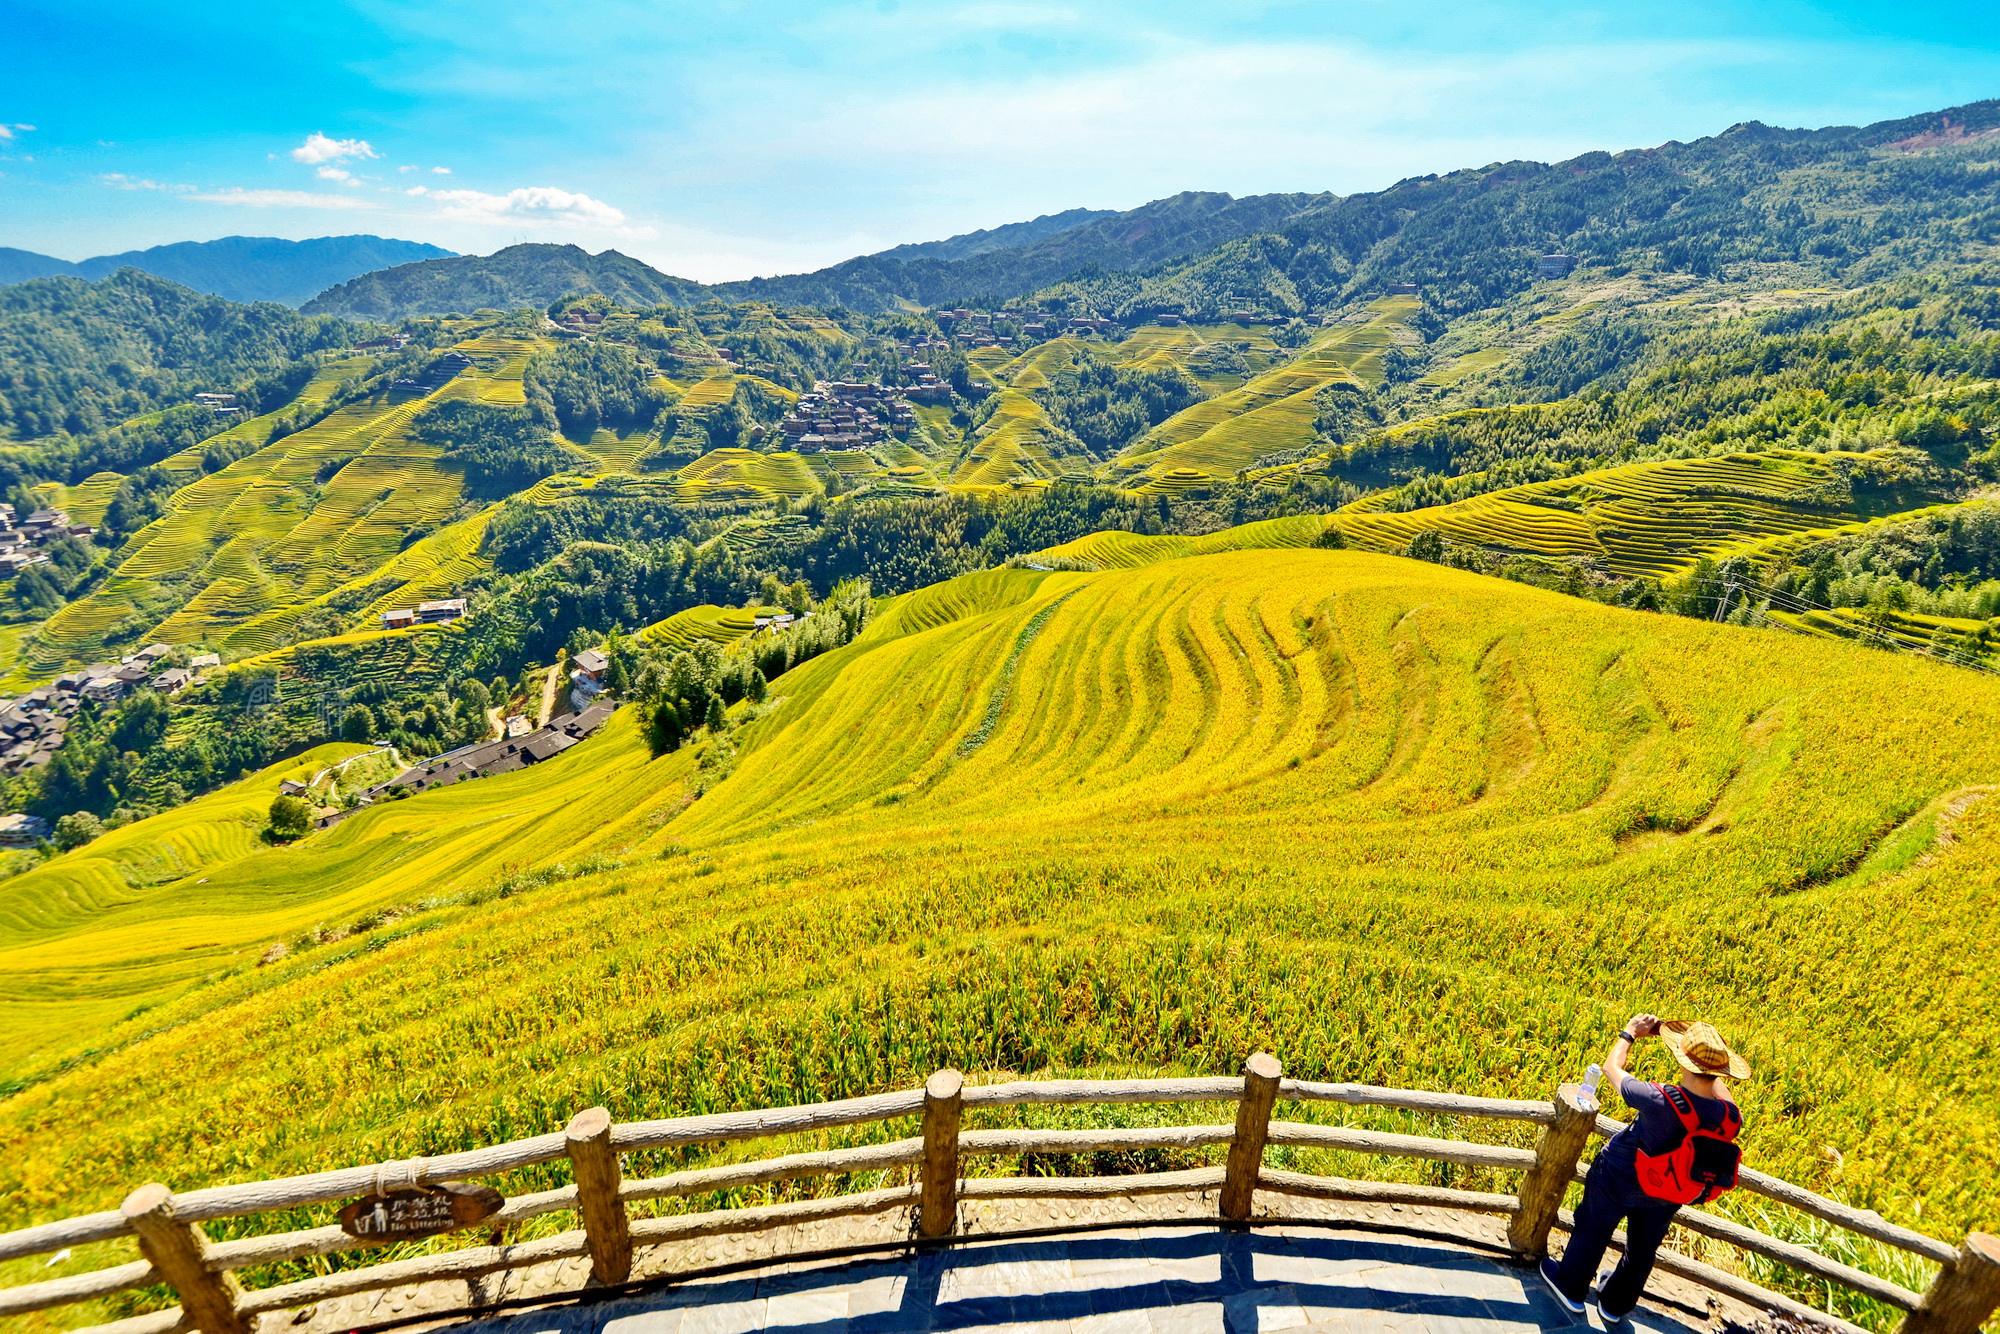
[173, 1249]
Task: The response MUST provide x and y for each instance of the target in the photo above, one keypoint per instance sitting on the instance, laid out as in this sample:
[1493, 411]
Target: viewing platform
[1159, 1278]
[911, 1236]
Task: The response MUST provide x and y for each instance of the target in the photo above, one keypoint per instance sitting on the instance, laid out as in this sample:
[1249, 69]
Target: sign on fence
[419, 1211]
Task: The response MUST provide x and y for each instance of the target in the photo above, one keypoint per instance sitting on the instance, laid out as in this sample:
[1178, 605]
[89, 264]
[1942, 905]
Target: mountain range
[1844, 202]
[241, 268]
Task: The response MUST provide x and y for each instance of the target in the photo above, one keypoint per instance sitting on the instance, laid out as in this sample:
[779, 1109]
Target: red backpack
[1702, 1163]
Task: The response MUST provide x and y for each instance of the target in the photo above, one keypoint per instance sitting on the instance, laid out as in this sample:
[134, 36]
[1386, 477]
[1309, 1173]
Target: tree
[357, 724]
[291, 818]
[76, 829]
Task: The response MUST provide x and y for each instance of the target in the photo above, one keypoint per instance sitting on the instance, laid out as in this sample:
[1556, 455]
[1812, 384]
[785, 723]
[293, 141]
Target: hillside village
[33, 726]
[25, 542]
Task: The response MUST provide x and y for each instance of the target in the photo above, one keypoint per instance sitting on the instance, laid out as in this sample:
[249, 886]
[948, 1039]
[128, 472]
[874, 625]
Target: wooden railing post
[1965, 1294]
[180, 1252]
[1556, 1155]
[1253, 1124]
[944, 1092]
[595, 1165]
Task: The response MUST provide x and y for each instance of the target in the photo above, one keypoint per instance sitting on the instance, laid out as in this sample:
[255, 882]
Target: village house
[590, 666]
[173, 680]
[201, 662]
[440, 611]
[486, 758]
[22, 831]
[402, 618]
[1556, 265]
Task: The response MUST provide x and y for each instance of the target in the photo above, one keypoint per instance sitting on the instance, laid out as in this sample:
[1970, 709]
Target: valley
[1407, 630]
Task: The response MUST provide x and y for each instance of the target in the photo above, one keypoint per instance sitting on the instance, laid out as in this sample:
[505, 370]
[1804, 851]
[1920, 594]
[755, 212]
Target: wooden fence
[174, 1249]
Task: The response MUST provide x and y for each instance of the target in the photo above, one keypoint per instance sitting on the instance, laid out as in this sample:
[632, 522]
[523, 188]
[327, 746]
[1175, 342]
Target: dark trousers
[1611, 1196]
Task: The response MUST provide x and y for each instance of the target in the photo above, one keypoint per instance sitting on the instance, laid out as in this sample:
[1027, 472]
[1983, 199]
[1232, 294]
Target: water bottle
[1591, 1079]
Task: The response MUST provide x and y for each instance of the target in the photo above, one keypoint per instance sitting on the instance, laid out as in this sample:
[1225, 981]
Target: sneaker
[1609, 1318]
[1569, 1303]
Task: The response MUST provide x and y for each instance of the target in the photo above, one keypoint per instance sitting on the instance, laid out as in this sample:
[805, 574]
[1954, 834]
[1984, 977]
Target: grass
[1395, 822]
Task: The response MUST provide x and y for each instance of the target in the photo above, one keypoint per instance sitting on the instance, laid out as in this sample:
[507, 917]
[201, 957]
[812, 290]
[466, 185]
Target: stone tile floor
[1144, 1281]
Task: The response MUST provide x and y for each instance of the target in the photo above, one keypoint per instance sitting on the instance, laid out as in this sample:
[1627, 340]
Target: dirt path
[549, 694]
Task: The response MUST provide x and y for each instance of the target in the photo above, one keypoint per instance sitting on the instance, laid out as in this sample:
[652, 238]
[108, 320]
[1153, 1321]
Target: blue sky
[722, 139]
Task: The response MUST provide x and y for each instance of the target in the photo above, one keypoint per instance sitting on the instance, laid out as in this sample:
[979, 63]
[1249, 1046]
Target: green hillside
[1398, 822]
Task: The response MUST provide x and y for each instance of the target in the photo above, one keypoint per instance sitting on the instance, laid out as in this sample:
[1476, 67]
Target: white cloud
[405, 169]
[336, 174]
[118, 180]
[319, 148]
[440, 171]
[240, 197]
[534, 205]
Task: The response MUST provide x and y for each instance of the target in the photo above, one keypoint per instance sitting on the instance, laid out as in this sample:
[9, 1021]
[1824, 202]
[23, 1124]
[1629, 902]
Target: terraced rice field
[1652, 518]
[1274, 410]
[1395, 821]
[1943, 636]
[1018, 443]
[1125, 551]
[144, 871]
[711, 392]
[745, 474]
[1182, 347]
[236, 553]
[693, 625]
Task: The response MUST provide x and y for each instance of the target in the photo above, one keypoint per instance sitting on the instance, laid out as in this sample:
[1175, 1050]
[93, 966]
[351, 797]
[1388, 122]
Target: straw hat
[1701, 1050]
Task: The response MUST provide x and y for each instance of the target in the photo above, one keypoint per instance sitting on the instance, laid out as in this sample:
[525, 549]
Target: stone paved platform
[1136, 1281]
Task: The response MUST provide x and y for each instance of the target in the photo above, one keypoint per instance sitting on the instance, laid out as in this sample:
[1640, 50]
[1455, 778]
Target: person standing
[1679, 1149]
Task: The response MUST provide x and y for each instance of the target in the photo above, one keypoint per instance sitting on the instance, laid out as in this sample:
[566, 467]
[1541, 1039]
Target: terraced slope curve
[1272, 411]
[1407, 824]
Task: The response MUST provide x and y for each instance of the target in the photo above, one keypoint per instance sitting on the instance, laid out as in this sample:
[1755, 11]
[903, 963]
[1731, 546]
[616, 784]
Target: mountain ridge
[240, 268]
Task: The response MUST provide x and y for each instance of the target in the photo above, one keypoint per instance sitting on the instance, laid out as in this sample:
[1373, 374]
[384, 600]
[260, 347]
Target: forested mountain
[520, 275]
[77, 356]
[985, 267]
[1841, 204]
[242, 268]
[988, 274]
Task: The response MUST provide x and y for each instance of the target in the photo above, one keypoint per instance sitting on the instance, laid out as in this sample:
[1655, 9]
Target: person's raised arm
[1640, 1026]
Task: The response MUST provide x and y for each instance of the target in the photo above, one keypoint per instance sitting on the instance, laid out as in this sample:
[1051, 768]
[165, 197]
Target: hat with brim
[1701, 1050]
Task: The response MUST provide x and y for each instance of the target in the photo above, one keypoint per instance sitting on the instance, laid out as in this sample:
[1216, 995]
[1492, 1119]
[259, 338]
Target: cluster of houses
[23, 541]
[520, 745]
[222, 405]
[580, 321]
[33, 727]
[395, 342]
[436, 375]
[846, 414]
[441, 612]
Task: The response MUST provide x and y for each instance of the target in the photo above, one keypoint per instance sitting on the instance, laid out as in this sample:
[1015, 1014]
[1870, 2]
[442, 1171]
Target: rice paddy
[1400, 823]
[1654, 518]
[1274, 410]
